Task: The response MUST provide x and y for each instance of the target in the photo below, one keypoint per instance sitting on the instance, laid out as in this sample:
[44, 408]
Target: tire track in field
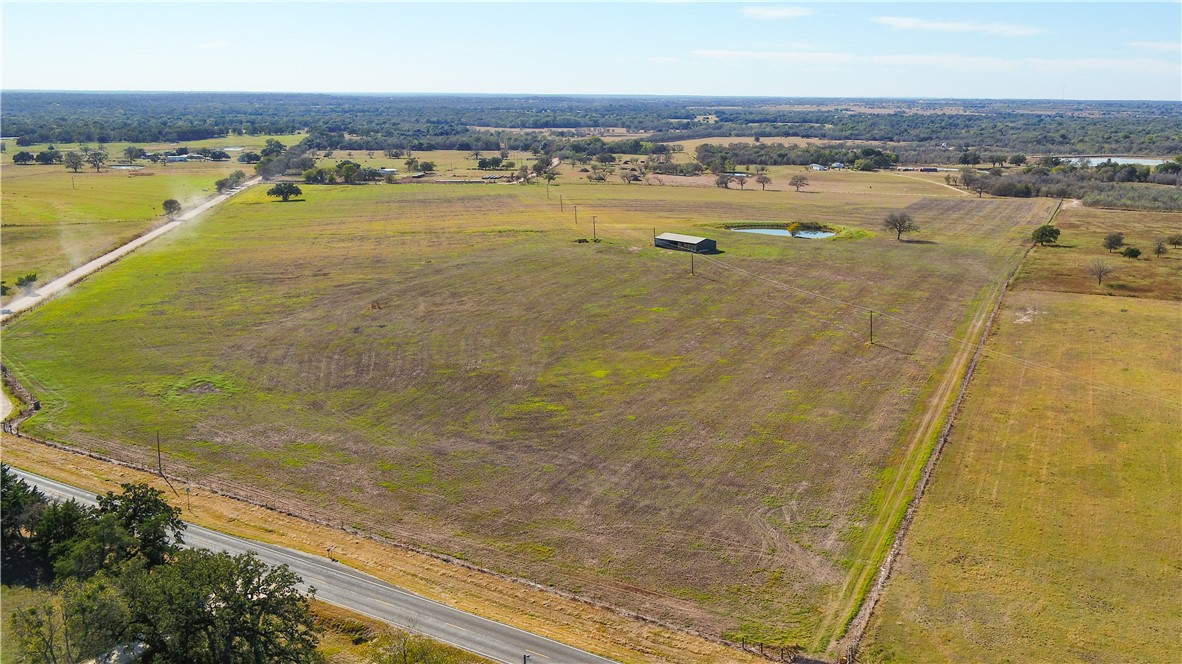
[849, 636]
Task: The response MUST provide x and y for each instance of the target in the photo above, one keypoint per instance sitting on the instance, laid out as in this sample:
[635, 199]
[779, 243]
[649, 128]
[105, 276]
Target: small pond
[783, 232]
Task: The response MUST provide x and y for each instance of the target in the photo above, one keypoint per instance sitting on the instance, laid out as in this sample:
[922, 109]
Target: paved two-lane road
[365, 594]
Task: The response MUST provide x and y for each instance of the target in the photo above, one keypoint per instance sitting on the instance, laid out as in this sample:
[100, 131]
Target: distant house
[698, 245]
[837, 165]
[176, 157]
[817, 167]
[388, 171]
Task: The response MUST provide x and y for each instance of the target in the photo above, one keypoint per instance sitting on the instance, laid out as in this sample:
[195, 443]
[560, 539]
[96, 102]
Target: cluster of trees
[276, 159]
[1115, 241]
[45, 157]
[413, 164]
[231, 181]
[72, 160]
[1108, 184]
[777, 154]
[345, 171]
[119, 579]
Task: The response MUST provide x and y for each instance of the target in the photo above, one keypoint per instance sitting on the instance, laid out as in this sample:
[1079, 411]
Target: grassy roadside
[573, 622]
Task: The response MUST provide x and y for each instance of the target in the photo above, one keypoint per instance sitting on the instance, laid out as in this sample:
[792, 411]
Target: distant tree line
[777, 154]
[1108, 184]
[453, 122]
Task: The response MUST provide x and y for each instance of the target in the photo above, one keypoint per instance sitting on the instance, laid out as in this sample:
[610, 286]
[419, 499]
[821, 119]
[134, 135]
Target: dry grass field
[447, 366]
[1050, 531]
[1064, 268]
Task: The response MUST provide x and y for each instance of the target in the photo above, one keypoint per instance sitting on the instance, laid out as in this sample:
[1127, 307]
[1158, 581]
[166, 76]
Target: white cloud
[970, 63]
[1159, 47]
[777, 11]
[1003, 29]
[661, 59]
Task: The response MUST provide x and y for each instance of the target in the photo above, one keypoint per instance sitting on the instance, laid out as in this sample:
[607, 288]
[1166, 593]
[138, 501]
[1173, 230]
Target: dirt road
[45, 292]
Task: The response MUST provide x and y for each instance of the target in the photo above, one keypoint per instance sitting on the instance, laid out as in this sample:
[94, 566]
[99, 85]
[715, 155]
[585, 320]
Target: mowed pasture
[1050, 531]
[447, 366]
[55, 219]
[1064, 268]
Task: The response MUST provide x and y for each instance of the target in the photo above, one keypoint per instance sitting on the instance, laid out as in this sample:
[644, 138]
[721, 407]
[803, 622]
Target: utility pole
[871, 327]
[560, 208]
[594, 237]
[576, 215]
[159, 459]
[692, 263]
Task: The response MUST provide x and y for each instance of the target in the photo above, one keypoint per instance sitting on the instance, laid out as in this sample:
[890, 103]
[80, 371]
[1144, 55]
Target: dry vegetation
[1050, 531]
[445, 366]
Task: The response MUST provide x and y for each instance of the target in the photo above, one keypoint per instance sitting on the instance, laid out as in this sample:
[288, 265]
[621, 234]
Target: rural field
[1050, 529]
[447, 366]
[55, 219]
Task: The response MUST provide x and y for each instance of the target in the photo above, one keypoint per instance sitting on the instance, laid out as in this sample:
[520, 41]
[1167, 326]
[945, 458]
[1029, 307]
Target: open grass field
[1063, 268]
[55, 219]
[444, 365]
[1050, 530]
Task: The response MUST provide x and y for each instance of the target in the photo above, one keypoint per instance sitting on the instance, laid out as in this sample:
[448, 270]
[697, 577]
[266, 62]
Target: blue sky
[1072, 50]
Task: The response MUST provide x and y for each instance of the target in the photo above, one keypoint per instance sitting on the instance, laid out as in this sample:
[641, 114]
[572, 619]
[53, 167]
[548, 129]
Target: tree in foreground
[1131, 252]
[1045, 234]
[1099, 269]
[1175, 240]
[73, 161]
[144, 514]
[23, 157]
[1114, 241]
[212, 608]
[798, 181]
[723, 181]
[84, 621]
[1160, 249]
[900, 223]
[763, 180]
[284, 190]
[171, 207]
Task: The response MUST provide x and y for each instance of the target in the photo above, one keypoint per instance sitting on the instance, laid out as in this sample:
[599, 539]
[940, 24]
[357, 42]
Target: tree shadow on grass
[919, 241]
[293, 200]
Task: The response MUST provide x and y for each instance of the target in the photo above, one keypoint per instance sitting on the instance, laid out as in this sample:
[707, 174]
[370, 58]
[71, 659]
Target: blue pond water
[783, 232]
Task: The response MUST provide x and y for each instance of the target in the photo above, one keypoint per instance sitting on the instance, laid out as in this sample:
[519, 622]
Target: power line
[1023, 362]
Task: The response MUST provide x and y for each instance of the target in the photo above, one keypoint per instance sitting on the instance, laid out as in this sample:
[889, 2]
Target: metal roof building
[698, 245]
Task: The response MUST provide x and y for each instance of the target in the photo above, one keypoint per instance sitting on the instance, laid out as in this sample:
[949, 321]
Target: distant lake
[1140, 161]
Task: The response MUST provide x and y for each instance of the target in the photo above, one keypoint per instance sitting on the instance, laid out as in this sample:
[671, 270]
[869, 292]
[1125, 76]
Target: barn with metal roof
[698, 245]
